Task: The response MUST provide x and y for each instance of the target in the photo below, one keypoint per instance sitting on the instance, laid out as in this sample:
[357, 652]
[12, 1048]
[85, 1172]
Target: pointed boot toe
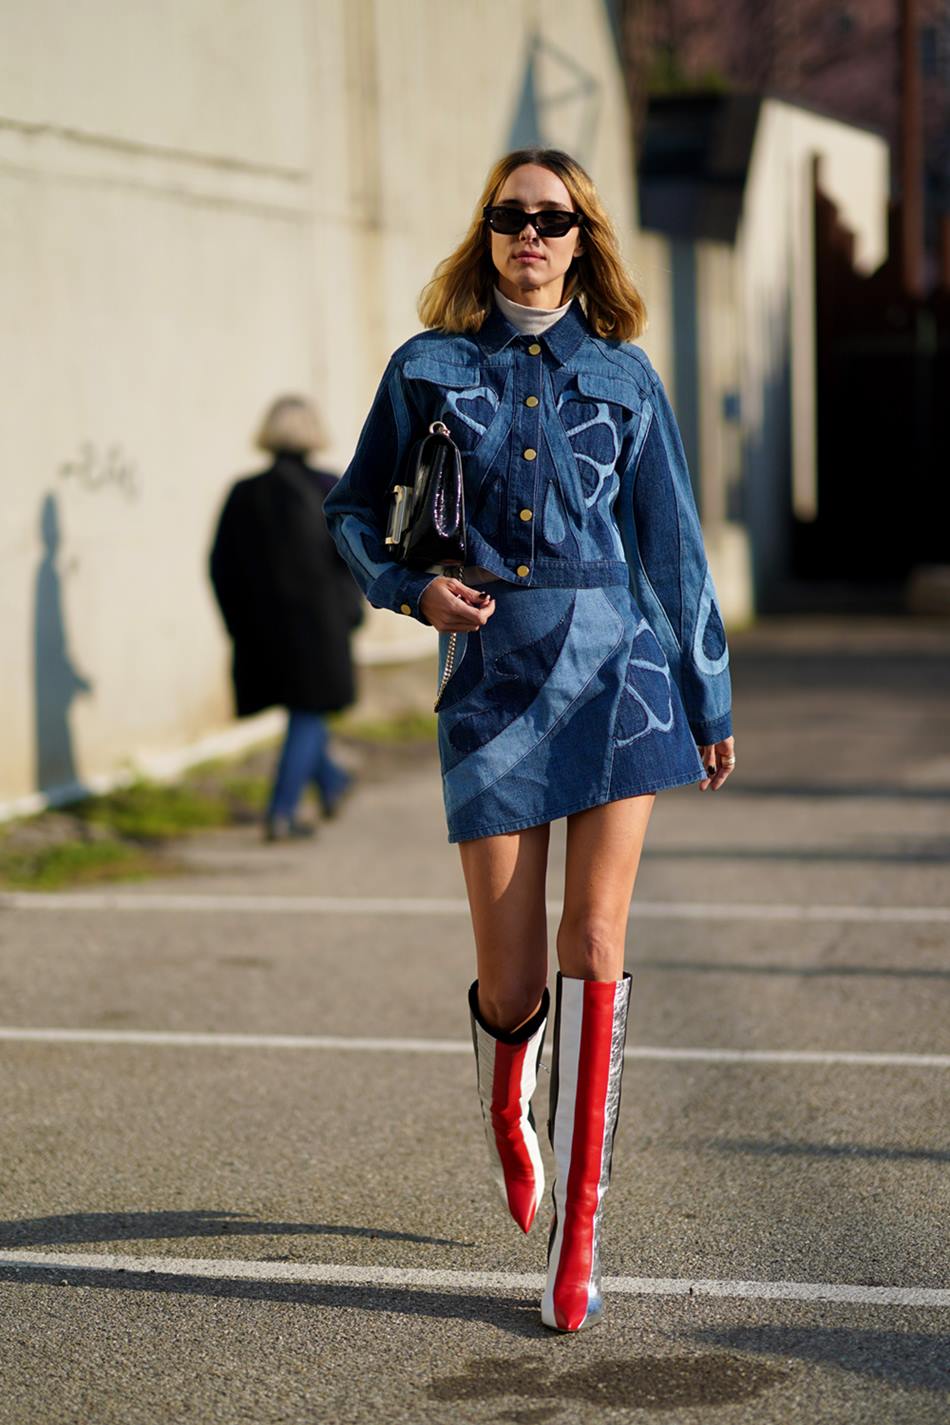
[507, 1077]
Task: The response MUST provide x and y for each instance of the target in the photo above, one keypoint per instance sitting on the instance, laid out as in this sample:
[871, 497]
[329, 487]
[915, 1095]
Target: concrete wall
[155, 252]
[776, 298]
[695, 342]
[738, 348]
[202, 204]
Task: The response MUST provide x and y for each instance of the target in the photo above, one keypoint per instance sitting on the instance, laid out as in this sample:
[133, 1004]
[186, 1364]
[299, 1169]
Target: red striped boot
[590, 1026]
[507, 1075]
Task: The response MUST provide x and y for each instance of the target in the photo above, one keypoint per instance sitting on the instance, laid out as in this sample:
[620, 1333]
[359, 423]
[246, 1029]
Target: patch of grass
[124, 834]
[404, 727]
[74, 863]
[246, 793]
[149, 812]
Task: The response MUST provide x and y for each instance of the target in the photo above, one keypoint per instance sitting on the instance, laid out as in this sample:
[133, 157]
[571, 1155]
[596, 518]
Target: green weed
[74, 863]
[405, 727]
[148, 812]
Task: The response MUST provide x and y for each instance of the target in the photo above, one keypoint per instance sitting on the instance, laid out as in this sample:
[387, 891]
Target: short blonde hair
[459, 296]
[291, 423]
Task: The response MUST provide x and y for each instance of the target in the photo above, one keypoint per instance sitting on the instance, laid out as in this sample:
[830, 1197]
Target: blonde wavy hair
[459, 296]
[291, 423]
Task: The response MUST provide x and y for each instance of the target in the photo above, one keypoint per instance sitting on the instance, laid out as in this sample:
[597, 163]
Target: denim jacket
[574, 476]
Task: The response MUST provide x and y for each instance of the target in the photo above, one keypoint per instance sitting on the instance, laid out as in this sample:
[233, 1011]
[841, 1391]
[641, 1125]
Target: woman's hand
[452, 607]
[719, 761]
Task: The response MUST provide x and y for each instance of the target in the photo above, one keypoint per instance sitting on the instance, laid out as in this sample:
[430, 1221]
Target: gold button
[534, 349]
[526, 515]
[531, 400]
[405, 608]
[522, 571]
[529, 454]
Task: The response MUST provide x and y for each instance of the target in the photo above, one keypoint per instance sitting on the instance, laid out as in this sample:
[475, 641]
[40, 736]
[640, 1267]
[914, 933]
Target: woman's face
[531, 268]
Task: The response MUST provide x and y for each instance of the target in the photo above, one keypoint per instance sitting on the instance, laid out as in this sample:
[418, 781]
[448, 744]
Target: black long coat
[287, 598]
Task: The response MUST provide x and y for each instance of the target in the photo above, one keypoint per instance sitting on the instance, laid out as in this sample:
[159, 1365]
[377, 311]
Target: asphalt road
[297, 1224]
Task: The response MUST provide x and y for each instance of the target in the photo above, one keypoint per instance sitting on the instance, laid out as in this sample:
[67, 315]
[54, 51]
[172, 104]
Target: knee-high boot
[590, 1026]
[507, 1075]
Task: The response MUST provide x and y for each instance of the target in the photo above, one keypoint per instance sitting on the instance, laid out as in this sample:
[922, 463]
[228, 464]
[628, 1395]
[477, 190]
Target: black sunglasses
[552, 222]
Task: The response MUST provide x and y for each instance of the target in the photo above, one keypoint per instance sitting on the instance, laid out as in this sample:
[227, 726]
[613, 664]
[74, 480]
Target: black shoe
[331, 807]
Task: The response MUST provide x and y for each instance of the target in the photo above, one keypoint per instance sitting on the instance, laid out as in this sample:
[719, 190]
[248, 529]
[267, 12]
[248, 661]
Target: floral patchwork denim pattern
[575, 477]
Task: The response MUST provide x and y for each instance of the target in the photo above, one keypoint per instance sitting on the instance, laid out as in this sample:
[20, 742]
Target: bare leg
[603, 854]
[505, 880]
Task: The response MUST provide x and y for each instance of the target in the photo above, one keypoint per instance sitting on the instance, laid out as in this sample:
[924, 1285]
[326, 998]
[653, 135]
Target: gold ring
[728, 761]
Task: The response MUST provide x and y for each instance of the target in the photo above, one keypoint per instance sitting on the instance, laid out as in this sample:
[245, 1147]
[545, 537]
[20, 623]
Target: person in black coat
[290, 605]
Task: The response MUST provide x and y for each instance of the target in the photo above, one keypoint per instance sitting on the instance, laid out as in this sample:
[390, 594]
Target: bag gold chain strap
[449, 668]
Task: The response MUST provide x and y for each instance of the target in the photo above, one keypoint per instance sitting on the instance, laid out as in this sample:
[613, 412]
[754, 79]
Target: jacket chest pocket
[458, 395]
[597, 415]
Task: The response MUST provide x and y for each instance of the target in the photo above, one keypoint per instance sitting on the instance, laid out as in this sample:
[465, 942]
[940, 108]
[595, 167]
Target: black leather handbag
[426, 523]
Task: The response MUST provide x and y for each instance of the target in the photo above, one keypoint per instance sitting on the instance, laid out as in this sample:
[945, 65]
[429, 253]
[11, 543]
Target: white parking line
[333, 1274]
[176, 1039]
[423, 906]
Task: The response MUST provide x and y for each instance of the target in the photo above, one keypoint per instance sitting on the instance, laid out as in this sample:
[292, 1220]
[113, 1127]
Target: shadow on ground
[908, 851]
[768, 1148]
[88, 1227]
[519, 1318]
[911, 1359]
[797, 972]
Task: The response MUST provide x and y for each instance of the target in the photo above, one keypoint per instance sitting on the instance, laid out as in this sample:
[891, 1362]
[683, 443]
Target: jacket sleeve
[669, 574]
[356, 507]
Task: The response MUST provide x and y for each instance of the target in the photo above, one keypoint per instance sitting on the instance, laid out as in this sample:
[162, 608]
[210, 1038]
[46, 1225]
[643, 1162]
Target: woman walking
[290, 606]
[591, 666]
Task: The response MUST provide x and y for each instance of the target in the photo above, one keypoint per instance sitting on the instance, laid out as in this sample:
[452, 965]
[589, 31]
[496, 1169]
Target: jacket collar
[561, 340]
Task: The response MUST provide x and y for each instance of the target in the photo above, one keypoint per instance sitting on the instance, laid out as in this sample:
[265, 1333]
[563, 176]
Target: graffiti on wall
[96, 469]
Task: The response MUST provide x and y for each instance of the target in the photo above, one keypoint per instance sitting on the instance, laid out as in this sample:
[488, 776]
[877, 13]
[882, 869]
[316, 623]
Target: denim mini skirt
[562, 701]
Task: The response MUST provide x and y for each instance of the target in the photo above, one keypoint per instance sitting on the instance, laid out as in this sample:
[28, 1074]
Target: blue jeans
[305, 758]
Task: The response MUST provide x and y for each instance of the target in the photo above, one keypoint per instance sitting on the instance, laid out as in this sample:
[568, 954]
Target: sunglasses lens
[506, 220]
[554, 224]
[512, 220]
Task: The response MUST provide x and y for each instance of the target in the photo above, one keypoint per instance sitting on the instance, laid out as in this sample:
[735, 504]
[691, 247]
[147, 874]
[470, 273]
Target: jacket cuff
[400, 590]
[712, 730]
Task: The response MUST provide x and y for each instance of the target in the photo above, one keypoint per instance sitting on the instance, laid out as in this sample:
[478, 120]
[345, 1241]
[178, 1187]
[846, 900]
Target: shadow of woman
[517, 1317]
[56, 681]
[87, 1227]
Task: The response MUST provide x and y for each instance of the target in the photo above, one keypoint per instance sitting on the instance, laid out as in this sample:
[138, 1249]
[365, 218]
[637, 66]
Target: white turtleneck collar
[530, 321]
